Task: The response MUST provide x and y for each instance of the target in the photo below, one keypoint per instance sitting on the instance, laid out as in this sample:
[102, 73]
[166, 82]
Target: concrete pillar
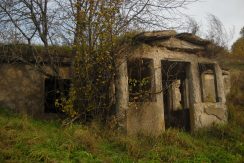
[219, 84]
[202, 86]
[158, 80]
[122, 92]
[159, 88]
[195, 94]
[194, 81]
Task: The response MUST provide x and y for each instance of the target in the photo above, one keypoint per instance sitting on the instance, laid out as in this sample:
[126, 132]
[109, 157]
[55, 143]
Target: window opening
[141, 80]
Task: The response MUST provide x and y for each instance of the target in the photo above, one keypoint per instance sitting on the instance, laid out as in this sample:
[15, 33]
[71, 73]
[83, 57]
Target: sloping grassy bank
[23, 139]
[26, 140]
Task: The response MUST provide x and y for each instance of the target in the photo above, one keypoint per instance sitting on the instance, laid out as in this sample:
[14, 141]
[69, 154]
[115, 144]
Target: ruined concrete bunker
[165, 80]
[184, 88]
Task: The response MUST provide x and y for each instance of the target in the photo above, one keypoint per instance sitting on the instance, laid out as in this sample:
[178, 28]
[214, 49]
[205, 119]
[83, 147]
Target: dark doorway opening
[55, 89]
[176, 94]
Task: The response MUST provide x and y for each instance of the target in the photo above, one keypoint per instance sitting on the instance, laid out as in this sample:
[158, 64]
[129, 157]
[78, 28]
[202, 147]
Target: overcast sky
[230, 12]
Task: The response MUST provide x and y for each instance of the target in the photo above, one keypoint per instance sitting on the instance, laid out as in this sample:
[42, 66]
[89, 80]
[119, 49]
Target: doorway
[55, 88]
[175, 75]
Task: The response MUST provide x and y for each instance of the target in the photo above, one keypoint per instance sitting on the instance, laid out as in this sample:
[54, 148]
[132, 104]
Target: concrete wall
[209, 88]
[148, 118]
[22, 88]
[145, 118]
[227, 82]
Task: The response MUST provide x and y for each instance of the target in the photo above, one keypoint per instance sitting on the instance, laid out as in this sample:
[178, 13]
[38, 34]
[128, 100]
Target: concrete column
[219, 84]
[194, 81]
[158, 81]
[195, 94]
[159, 88]
[202, 86]
[122, 92]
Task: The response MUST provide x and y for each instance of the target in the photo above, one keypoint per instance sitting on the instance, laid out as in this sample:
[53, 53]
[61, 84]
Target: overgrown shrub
[236, 95]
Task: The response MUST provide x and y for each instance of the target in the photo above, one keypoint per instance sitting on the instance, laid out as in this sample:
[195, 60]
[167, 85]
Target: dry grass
[27, 140]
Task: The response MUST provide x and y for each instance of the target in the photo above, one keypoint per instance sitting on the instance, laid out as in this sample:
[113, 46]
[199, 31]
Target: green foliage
[26, 140]
[67, 104]
[140, 80]
[140, 90]
[96, 47]
[236, 95]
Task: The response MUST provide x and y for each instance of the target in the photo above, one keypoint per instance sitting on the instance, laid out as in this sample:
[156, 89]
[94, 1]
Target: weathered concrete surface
[218, 112]
[208, 114]
[174, 43]
[220, 84]
[145, 118]
[122, 96]
[22, 88]
[209, 88]
[227, 82]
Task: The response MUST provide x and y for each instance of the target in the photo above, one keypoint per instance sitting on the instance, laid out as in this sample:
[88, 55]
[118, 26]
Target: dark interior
[173, 71]
[54, 90]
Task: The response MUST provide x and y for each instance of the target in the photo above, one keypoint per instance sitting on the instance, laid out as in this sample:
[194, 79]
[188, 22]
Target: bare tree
[32, 21]
[32, 18]
[217, 32]
[192, 26]
[132, 15]
[9, 34]
[54, 21]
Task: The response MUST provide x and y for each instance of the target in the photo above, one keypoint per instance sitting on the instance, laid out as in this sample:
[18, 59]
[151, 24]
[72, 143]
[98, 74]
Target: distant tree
[242, 32]
[238, 46]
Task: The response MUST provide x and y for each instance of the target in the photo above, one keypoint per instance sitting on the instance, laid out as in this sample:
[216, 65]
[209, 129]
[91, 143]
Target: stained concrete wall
[145, 118]
[22, 88]
[148, 118]
[208, 87]
[227, 82]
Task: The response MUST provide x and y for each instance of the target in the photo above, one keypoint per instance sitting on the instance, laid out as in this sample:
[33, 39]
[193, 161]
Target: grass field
[23, 139]
[27, 140]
